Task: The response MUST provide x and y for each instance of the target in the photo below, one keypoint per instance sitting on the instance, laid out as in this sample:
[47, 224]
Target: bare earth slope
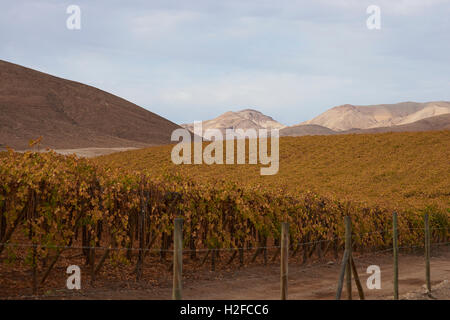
[348, 116]
[305, 130]
[69, 114]
[441, 122]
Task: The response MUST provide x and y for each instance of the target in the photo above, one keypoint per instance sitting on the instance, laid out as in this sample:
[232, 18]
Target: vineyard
[51, 205]
[407, 170]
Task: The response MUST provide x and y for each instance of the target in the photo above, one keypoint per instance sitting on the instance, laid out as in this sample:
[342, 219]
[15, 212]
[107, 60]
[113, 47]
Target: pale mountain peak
[249, 110]
[243, 119]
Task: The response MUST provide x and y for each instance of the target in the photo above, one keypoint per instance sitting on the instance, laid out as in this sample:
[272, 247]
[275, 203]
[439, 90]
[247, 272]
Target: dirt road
[305, 282]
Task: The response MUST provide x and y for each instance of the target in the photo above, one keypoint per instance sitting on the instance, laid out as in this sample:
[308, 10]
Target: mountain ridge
[71, 115]
[347, 116]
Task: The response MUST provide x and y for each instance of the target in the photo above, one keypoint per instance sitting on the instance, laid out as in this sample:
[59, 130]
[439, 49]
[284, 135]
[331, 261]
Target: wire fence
[31, 245]
[314, 263]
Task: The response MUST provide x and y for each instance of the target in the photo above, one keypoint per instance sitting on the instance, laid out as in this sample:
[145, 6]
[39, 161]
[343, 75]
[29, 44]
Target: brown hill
[436, 123]
[441, 122]
[69, 114]
[348, 116]
[305, 130]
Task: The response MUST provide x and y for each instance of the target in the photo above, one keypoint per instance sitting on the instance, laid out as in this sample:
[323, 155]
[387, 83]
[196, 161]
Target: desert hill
[441, 122]
[306, 130]
[435, 123]
[69, 114]
[346, 117]
[405, 116]
[244, 119]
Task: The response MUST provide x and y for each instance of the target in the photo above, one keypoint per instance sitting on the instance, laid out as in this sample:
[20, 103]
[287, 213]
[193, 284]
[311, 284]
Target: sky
[192, 60]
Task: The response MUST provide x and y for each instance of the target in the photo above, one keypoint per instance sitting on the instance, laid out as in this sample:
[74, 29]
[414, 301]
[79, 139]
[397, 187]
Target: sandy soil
[92, 152]
[86, 152]
[316, 282]
[440, 291]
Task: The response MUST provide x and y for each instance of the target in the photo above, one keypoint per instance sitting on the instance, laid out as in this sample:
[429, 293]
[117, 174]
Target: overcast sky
[192, 60]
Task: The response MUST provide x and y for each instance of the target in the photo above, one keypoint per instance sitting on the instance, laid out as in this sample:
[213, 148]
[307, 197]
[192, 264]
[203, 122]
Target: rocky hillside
[348, 116]
[244, 119]
[69, 114]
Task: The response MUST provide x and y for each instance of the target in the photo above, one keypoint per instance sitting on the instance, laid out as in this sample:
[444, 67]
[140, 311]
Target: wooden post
[348, 248]
[177, 259]
[395, 248]
[357, 281]
[284, 259]
[342, 275]
[427, 252]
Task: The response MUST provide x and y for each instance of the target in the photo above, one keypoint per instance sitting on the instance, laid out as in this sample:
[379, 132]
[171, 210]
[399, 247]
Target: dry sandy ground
[92, 152]
[86, 152]
[439, 292]
[315, 282]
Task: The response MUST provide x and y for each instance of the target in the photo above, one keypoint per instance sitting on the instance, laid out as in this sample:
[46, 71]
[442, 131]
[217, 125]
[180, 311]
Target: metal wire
[15, 244]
